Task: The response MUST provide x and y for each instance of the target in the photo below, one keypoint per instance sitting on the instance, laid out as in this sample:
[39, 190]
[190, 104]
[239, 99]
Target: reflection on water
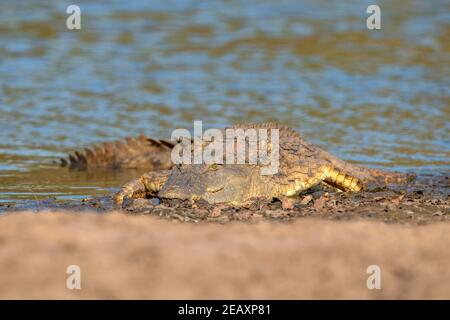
[375, 97]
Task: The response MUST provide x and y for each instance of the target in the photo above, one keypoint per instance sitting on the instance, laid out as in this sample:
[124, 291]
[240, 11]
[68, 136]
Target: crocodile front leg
[339, 179]
[148, 184]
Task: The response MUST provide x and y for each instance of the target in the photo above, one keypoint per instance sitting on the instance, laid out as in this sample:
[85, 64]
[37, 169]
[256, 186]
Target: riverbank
[129, 256]
[423, 201]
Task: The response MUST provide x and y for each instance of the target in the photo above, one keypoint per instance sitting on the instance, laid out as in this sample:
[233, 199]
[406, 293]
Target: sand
[145, 257]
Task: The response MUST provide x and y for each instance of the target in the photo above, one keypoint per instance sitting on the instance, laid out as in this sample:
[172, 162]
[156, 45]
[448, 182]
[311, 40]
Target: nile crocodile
[302, 165]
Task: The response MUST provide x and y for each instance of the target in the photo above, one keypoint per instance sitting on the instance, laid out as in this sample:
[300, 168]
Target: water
[380, 98]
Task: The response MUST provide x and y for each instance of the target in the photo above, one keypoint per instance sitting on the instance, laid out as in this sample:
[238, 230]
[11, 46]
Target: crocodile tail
[132, 153]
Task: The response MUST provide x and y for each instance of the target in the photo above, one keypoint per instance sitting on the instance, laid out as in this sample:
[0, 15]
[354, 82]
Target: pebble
[307, 199]
[319, 203]
[287, 204]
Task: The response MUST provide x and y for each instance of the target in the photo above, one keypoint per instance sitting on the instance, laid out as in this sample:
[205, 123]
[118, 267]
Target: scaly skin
[134, 153]
[301, 166]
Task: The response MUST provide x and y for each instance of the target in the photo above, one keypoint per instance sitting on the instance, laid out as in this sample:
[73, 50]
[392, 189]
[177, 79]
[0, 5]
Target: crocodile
[302, 165]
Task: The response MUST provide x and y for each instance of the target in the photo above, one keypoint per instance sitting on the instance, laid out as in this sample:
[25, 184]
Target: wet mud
[423, 201]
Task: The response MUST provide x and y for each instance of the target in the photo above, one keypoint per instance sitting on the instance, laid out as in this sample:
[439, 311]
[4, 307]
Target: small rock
[320, 203]
[287, 204]
[155, 201]
[307, 199]
[217, 211]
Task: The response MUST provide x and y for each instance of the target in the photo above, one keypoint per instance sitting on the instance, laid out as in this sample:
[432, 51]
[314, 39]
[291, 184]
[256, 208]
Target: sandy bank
[123, 256]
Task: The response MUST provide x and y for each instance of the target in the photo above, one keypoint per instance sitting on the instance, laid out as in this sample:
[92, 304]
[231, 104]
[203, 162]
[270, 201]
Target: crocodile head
[212, 183]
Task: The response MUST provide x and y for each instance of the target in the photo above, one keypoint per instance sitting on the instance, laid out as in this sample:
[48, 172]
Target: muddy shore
[424, 201]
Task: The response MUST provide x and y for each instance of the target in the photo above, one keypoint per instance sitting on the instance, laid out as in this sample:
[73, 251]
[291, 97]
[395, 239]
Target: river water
[376, 97]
